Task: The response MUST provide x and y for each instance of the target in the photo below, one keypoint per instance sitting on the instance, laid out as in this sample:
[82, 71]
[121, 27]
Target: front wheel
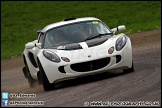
[46, 84]
[31, 81]
[129, 69]
[27, 74]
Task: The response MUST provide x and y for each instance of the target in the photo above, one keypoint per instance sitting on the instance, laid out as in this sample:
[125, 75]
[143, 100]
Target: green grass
[21, 19]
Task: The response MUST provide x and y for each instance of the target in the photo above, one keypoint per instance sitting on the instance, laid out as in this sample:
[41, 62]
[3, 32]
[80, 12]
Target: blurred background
[21, 19]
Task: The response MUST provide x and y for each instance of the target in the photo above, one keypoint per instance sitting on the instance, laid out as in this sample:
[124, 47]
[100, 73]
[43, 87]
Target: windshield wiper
[97, 35]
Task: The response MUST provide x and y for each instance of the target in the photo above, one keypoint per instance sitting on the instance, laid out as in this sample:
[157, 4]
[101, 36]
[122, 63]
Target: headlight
[120, 43]
[51, 56]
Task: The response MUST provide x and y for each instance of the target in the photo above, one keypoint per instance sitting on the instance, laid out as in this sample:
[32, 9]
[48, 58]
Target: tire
[46, 84]
[31, 81]
[129, 69]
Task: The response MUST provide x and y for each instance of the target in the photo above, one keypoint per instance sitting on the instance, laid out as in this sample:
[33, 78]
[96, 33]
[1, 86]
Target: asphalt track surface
[144, 84]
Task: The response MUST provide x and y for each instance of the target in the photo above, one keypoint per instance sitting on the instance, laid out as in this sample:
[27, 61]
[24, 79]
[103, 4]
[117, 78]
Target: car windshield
[74, 33]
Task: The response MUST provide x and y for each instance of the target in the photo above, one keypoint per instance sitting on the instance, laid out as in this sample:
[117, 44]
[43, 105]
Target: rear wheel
[129, 69]
[46, 84]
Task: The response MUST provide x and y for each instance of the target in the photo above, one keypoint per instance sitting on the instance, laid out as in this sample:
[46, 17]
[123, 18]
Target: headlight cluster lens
[51, 56]
[120, 43]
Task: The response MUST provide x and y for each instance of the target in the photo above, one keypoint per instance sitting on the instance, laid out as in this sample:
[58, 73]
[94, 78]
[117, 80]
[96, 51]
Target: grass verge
[21, 19]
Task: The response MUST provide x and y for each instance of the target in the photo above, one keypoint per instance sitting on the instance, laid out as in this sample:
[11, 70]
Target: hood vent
[98, 41]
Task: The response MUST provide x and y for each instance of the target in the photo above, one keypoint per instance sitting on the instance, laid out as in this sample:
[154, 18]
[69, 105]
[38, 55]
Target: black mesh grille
[91, 65]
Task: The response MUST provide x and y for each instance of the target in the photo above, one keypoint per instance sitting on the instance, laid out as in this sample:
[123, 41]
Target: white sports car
[75, 47]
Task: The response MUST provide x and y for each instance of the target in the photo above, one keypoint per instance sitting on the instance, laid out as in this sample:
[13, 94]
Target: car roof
[66, 21]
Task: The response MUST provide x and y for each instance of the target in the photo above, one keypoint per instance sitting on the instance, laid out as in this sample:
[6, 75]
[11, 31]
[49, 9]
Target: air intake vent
[67, 19]
[118, 58]
[90, 65]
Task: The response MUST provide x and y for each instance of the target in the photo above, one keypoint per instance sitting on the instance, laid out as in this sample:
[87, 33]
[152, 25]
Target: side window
[41, 37]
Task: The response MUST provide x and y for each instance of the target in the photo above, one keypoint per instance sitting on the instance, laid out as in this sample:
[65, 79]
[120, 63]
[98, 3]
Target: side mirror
[38, 45]
[29, 45]
[121, 28]
[38, 31]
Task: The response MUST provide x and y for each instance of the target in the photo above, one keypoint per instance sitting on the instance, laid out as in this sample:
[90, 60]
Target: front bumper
[56, 72]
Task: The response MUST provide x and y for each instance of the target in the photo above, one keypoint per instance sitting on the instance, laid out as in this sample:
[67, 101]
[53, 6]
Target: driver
[56, 37]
